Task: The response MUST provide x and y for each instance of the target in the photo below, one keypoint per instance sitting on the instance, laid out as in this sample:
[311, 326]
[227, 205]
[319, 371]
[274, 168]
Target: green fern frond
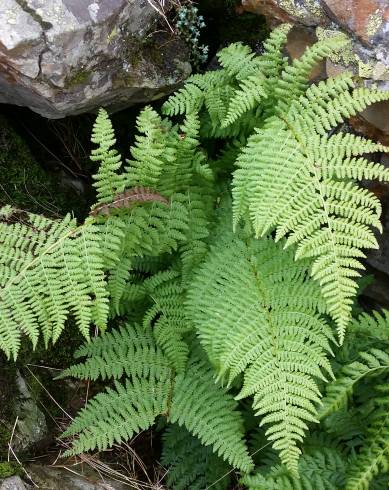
[249, 95]
[148, 230]
[285, 181]
[117, 281]
[185, 101]
[319, 469]
[294, 80]
[253, 318]
[50, 269]
[129, 350]
[272, 61]
[372, 327]
[167, 317]
[235, 58]
[190, 465]
[112, 232]
[209, 412]
[194, 249]
[374, 455]
[258, 78]
[151, 151]
[373, 361]
[155, 228]
[116, 415]
[107, 181]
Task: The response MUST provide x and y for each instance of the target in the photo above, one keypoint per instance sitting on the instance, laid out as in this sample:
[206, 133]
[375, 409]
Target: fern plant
[225, 254]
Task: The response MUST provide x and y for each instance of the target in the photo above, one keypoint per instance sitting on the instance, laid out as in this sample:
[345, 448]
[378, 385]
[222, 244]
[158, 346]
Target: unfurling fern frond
[320, 469]
[190, 465]
[49, 270]
[107, 181]
[257, 314]
[296, 179]
[209, 412]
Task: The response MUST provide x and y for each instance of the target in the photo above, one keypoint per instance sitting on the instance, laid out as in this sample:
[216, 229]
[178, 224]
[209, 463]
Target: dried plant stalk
[127, 199]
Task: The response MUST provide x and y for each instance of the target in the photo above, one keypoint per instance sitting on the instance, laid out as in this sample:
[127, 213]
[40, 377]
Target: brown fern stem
[127, 199]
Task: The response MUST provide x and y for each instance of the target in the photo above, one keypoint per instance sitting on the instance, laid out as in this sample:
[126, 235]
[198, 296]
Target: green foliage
[319, 469]
[151, 388]
[275, 335]
[189, 24]
[314, 202]
[225, 254]
[49, 269]
[209, 412]
[191, 465]
[107, 181]
[119, 413]
[8, 469]
[373, 457]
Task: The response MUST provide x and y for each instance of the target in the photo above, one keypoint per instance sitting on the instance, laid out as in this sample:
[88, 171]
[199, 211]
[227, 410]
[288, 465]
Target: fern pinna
[190, 253]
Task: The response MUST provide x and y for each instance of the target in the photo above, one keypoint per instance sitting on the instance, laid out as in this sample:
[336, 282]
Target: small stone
[13, 483]
[378, 115]
[270, 9]
[31, 427]
[57, 478]
[308, 12]
[299, 39]
[380, 71]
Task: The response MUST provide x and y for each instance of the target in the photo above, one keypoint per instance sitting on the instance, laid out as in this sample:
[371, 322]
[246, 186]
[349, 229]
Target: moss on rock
[8, 469]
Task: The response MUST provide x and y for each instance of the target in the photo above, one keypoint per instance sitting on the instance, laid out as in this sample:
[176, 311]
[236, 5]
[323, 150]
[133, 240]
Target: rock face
[65, 57]
[365, 22]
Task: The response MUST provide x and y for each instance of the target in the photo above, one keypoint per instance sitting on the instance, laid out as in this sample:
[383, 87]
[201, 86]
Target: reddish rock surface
[269, 9]
[364, 18]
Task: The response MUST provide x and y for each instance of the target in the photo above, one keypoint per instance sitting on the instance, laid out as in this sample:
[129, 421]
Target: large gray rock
[65, 57]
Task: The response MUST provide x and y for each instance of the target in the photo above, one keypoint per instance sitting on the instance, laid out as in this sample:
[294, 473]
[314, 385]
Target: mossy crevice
[78, 77]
